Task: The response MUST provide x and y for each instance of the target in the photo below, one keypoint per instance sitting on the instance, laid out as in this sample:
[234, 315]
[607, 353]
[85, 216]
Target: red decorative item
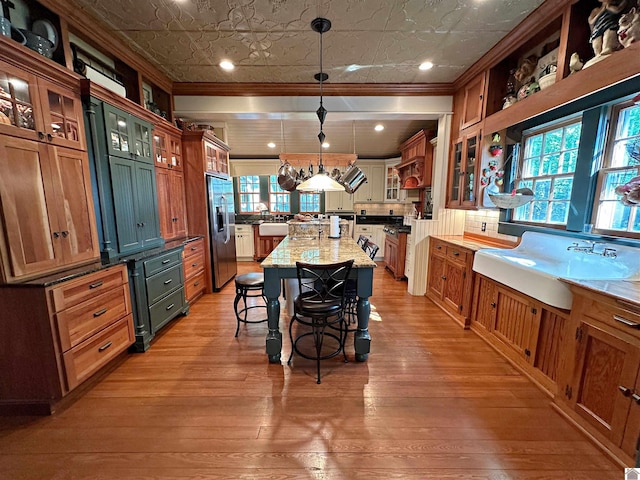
[495, 150]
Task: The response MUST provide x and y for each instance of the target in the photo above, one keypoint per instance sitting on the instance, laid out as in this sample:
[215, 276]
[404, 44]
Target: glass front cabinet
[463, 171]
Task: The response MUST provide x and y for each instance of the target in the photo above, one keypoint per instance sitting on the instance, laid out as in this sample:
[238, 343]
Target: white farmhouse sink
[536, 264]
[274, 229]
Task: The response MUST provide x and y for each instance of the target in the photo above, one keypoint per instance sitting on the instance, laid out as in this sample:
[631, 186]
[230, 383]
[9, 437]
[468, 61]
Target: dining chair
[320, 306]
[362, 241]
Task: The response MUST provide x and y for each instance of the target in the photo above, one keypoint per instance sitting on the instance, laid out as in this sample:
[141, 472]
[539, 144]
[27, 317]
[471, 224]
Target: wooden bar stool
[248, 282]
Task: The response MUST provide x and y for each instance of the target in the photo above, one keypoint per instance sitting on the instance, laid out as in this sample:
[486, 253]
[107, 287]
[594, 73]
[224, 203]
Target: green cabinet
[124, 180]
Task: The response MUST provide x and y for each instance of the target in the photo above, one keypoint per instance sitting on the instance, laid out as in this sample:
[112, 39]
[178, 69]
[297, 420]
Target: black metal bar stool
[245, 283]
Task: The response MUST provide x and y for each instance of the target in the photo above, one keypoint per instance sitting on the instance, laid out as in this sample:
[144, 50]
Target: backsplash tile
[474, 220]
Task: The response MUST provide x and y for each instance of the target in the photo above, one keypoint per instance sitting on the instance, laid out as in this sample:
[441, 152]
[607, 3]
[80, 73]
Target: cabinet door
[484, 309]
[392, 184]
[605, 377]
[147, 203]
[516, 323]
[142, 140]
[165, 215]
[19, 107]
[436, 275]
[160, 149]
[454, 283]
[123, 181]
[471, 149]
[32, 237]
[70, 171]
[62, 113]
[175, 150]
[376, 183]
[178, 208]
[210, 157]
[473, 102]
[456, 173]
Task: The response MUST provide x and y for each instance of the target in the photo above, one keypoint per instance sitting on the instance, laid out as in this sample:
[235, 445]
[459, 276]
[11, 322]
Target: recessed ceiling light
[326, 145]
[426, 66]
[271, 145]
[227, 65]
[379, 127]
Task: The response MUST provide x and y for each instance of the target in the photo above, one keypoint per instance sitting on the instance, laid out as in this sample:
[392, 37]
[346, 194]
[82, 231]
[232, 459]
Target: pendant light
[321, 181]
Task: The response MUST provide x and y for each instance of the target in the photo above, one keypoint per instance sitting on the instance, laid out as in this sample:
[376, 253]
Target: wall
[475, 219]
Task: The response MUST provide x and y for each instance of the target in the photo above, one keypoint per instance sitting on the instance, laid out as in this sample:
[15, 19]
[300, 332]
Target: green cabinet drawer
[162, 262]
[164, 282]
[166, 309]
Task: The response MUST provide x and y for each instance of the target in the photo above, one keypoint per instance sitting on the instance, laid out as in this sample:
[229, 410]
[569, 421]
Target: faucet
[320, 232]
[588, 248]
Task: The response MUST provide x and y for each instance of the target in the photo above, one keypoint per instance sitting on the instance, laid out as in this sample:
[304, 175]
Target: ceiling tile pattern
[371, 41]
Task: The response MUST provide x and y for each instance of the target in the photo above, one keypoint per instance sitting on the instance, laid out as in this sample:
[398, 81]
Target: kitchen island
[281, 263]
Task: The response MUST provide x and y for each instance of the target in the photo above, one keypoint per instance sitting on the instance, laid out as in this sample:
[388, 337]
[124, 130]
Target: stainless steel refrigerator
[221, 230]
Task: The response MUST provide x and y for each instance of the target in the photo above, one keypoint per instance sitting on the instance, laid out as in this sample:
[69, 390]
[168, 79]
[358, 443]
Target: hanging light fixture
[321, 181]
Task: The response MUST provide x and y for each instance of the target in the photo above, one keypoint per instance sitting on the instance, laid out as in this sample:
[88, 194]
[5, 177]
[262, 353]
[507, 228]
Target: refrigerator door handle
[226, 218]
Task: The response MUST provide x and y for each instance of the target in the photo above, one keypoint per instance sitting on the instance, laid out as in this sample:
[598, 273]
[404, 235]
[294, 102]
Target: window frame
[301, 203]
[279, 192]
[252, 202]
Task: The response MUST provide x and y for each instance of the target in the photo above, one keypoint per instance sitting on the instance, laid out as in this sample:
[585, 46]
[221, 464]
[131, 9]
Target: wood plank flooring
[432, 402]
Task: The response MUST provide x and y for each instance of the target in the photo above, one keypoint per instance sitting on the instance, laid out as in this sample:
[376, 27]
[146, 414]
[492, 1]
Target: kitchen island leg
[274, 335]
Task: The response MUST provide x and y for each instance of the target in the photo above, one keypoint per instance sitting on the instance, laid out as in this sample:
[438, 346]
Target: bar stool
[320, 305]
[246, 283]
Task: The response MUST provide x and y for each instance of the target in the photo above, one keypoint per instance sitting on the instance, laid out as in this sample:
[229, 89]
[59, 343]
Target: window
[249, 190]
[622, 163]
[309, 202]
[279, 199]
[547, 168]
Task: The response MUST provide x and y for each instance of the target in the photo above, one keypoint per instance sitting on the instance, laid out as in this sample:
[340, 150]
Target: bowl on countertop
[37, 43]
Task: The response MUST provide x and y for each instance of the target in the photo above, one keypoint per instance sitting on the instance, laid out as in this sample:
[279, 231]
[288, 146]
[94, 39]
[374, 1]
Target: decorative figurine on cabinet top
[603, 22]
[575, 63]
[629, 27]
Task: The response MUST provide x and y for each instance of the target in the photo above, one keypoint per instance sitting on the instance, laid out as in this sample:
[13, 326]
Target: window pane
[539, 211]
[629, 122]
[553, 141]
[612, 180]
[249, 193]
[550, 164]
[309, 202]
[279, 199]
[568, 162]
[559, 212]
[534, 147]
[522, 213]
[562, 188]
[542, 188]
[572, 136]
[613, 215]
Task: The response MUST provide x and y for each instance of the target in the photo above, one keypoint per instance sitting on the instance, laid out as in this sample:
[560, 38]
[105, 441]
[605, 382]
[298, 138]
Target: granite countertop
[466, 242]
[325, 250]
[624, 290]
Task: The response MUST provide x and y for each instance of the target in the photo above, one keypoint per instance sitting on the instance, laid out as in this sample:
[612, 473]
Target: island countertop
[323, 251]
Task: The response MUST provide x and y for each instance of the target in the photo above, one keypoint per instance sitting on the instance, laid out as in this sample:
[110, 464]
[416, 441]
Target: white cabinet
[338, 202]
[244, 242]
[373, 190]
[375, 234]
[392, 192]
[408, 262]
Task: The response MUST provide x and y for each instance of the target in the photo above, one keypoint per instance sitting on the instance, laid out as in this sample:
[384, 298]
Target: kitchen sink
[535, 266]
[274, 229]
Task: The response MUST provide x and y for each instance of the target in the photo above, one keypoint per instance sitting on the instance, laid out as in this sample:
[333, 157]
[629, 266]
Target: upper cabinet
[462, 190]
[473, 103]
[372, 191]
[127, 136]
[208, 149]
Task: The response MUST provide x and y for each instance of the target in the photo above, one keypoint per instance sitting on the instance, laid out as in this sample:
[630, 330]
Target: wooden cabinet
[473, 102]
[526, 331]
[601, 386]
[170, 183]
[372, 191]
[121, 149]
[416, 167]
[193, 265]
[45, 188]
[244, 242]
[395, 249]
[450, 279]
[263, 245]
[59, 334]
[462, 191]
[199, 149]
[338, 202]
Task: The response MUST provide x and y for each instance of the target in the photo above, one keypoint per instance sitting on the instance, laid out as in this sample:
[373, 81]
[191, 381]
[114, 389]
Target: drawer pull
[164, 262]
[194, 264]
[100, 312]
[97, 284]
[626, 322]
[636, 398]
[193, 249]
[170, 306]
[196, 284]
[104, 347]
[456, 254]
[443, 277]
[439, 247]
[167, 282]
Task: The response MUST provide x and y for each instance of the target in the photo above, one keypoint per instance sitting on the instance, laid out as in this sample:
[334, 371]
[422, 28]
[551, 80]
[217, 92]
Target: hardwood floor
[432, 402]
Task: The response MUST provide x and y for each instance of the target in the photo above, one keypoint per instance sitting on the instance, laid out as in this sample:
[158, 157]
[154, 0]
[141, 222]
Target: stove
[396, 230]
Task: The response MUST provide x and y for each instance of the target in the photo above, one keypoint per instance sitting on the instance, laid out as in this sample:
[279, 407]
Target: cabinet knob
[64, 233]
[625, 391]
[41, 135]
[636, 398]
[456, 254]
[493, 304]
[56, 234]
[444, 277]
[49, 137]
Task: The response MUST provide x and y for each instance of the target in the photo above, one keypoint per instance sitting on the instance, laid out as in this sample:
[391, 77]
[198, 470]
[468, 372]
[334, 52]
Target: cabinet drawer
[77, 291]
[194, 248]
[166, 309]
[89, 356]
[620, 318]
[164, 282]
[438, 247]
[457, 254]
[193, 265]
[194, 286]
[78, 323]
[162, 262]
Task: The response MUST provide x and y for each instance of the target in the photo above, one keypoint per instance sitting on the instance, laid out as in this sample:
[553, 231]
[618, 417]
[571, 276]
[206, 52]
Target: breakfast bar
[281, 264]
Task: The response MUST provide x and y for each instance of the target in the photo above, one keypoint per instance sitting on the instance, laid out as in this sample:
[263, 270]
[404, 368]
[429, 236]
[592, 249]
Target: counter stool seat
[248, 285]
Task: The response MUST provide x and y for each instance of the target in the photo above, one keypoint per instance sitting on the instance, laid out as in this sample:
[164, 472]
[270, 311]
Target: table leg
[272, 292]
[362, 339]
